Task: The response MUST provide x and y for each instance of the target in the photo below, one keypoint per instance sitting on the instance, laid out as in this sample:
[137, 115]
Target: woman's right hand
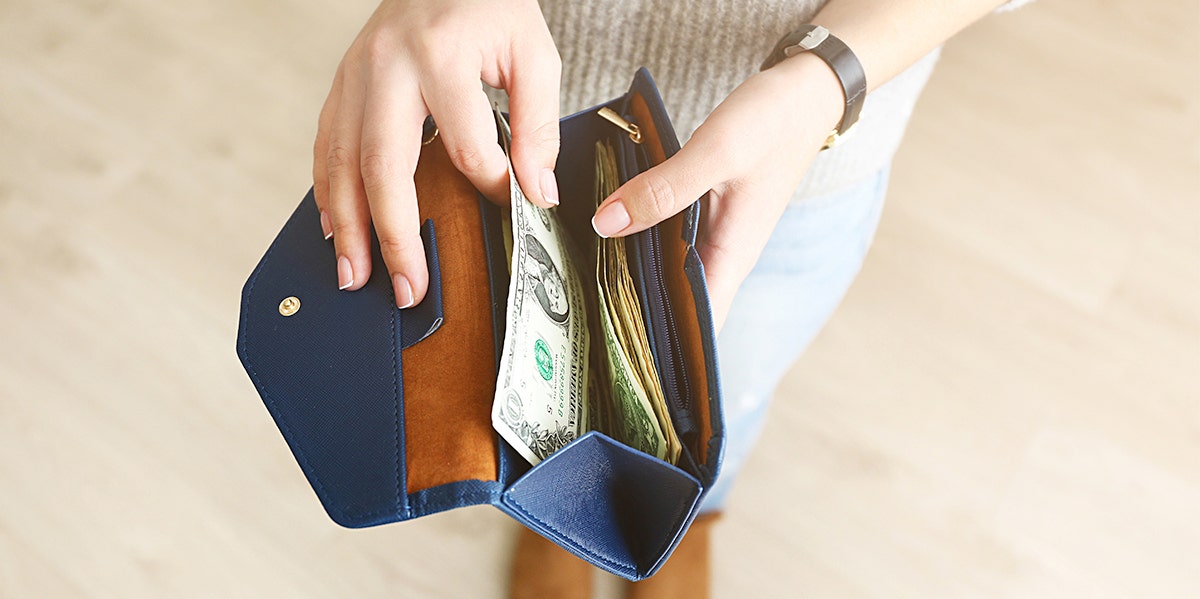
[414, 58]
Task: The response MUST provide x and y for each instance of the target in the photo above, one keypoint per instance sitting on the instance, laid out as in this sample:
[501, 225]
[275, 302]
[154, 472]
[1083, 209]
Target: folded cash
[637, 394]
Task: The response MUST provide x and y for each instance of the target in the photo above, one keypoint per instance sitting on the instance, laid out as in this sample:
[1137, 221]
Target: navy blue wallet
[388, 411]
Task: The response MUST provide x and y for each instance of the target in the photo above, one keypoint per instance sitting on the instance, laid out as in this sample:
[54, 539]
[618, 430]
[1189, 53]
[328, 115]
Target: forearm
[749, 155]
[889, 36]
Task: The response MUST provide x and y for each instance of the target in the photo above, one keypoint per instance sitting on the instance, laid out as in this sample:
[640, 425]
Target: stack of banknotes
[556, 380]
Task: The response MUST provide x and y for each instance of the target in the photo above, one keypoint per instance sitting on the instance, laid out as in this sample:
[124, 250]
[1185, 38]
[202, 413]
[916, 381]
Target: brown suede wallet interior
[450, 377]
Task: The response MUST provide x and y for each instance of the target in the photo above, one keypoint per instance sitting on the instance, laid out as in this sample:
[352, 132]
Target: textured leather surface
[333, 375]
[611, 505]
[330, 373]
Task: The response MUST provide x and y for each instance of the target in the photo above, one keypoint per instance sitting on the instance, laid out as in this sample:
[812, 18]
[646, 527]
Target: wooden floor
[1007, 404]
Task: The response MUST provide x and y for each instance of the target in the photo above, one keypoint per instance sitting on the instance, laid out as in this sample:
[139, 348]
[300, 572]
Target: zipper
[610, 115]
[675, 372]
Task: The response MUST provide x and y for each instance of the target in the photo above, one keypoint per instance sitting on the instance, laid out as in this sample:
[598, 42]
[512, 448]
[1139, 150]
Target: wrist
[815, 88]
[815, 40]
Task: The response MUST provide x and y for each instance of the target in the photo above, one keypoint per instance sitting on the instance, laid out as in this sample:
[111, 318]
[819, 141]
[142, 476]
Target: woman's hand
[752, 152]
[419, 57]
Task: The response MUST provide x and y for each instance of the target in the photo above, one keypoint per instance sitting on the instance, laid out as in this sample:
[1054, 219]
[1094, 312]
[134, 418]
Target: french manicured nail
[345, 273]
[549, 187]
[326, 226]
[404, 292]
[611, 219]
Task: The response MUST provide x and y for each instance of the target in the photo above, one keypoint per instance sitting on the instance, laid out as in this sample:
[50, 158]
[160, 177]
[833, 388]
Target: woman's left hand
[752, 152]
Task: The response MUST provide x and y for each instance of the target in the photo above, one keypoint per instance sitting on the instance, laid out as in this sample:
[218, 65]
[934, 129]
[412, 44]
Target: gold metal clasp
[833, 140]
[836, 137]
[610, 115]
[432, 136]
[289, 306]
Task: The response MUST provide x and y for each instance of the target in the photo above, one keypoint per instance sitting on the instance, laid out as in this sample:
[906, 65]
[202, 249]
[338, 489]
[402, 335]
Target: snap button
[289, 306]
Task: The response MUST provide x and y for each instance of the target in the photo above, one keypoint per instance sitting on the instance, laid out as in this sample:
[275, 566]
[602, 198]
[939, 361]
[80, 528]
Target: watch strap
[845, 65]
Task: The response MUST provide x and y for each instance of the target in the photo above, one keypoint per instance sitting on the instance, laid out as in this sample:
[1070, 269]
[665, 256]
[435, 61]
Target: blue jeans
[812, 257]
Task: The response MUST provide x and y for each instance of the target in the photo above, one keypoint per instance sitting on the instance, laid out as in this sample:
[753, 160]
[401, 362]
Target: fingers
[533, 102]
[660, 192]
[391, 146]
[468, 129]
[321, 153]
[738, 218]
[411, 60]
[348, 210]
[727, 249]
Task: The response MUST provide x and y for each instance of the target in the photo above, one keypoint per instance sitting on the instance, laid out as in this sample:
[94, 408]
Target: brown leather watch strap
[839, 57]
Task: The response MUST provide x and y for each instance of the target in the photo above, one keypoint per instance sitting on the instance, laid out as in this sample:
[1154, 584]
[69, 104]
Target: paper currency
[541, 391]
[639, 406]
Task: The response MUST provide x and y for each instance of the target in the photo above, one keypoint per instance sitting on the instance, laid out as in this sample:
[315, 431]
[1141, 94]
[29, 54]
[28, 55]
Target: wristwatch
[839, 57]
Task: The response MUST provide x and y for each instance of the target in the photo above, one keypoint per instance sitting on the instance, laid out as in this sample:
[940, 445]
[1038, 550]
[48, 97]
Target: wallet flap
[327, 365]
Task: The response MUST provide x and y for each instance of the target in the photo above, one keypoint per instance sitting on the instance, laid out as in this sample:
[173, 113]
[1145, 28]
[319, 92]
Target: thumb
[533, 107]
[658, 193]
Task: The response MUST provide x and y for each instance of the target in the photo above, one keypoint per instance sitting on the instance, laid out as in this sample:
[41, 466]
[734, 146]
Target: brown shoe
[543, 570]
[687, 574]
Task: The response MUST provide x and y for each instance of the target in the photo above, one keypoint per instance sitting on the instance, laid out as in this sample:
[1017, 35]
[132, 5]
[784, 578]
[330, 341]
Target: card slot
[449, 378]
[510, 464]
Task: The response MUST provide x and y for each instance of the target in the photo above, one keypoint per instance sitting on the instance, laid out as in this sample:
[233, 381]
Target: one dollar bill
[541, 390]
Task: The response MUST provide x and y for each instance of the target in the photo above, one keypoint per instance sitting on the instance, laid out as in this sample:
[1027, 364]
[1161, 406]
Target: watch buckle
[813, 39]
[837, 138]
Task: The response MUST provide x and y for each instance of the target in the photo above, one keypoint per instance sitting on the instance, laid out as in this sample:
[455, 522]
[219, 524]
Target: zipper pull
[611, 116]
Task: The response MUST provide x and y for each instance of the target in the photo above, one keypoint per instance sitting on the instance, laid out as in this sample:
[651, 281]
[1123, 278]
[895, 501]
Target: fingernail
[345, 273]
[326, 226]
[404, 292]
[611, 219]
[549, 187]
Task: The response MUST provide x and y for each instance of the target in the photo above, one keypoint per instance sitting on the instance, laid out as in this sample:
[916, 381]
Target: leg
[542, 569]
[814, 254]
[808, 264]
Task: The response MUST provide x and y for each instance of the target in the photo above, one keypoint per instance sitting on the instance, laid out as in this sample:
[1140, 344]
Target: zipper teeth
[678, 399]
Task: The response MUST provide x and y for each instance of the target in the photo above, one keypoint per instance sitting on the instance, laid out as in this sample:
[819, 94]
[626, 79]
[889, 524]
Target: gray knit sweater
[698, 51]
